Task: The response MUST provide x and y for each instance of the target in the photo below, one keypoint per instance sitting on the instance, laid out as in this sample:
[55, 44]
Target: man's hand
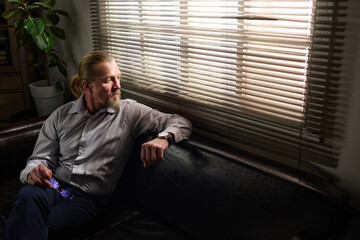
[40, 176]
[153, 151]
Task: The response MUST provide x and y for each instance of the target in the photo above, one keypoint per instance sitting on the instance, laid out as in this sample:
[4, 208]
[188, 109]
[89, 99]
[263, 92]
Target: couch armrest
[17, 141]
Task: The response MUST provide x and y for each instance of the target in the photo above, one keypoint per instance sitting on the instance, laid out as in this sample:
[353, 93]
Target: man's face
[106, 85]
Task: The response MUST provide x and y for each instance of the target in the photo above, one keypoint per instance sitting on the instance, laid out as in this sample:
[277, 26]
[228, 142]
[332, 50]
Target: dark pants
[38, 211]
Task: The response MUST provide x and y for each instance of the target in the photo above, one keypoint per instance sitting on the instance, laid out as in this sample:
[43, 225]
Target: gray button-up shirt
[90, 151]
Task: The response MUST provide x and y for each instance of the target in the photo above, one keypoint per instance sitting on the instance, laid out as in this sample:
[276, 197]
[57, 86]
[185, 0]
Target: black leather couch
[196, 194]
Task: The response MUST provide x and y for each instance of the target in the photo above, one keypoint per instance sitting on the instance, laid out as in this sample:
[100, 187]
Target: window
[262, 76]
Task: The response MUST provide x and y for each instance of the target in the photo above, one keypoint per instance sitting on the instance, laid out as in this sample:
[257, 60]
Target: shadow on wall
[347, 170]
[78, 38]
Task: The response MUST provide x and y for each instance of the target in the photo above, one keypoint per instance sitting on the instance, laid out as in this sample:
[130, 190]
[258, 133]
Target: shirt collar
[79, 107]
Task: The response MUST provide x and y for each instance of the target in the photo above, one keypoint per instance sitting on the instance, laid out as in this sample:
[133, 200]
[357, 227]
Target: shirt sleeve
[146, 119]
[45, 150]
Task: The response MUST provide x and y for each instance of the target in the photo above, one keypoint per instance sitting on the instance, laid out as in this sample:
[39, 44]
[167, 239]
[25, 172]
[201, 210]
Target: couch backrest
[211, 197]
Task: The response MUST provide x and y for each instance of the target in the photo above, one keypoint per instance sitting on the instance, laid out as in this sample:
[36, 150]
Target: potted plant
[35, 26]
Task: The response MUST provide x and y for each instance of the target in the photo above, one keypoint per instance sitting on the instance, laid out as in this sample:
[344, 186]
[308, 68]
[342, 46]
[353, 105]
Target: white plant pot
[47, 98]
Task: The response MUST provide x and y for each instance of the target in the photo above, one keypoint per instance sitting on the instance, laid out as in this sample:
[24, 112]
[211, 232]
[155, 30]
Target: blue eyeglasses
[63, 192]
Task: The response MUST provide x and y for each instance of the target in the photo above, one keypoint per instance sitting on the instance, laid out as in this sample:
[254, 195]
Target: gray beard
[114, 104]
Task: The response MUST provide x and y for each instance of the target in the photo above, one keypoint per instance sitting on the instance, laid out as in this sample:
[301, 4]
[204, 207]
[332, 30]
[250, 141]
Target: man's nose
[117, 85]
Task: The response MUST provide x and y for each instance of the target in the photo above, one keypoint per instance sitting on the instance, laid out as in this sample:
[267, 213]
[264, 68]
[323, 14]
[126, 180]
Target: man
[81, 151]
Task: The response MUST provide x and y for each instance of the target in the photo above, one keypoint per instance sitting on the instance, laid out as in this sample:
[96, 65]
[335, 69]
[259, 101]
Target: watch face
[163, 135]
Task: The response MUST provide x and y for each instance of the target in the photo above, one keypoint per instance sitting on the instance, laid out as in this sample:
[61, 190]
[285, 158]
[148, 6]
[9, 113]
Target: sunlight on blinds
[282, 53]
[225, 54]
[244, 57]
[255, 74]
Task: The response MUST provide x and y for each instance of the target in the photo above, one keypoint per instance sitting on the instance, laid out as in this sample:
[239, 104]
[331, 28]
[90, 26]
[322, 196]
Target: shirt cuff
[176, 133]
[24, 174]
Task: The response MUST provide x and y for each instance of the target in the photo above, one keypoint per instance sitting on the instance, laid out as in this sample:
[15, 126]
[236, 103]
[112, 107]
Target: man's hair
[86, 71]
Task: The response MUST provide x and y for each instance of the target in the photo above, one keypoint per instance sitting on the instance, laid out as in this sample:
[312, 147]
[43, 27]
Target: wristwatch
[165, 135]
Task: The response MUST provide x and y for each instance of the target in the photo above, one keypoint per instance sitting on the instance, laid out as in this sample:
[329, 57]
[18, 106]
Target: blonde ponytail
[76, 86]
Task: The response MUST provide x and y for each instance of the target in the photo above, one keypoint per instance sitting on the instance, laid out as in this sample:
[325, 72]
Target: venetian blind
[259, 75]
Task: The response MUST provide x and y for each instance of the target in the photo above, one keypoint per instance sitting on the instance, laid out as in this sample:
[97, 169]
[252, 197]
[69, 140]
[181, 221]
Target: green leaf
[54, 57]
[43, 41]
[15, 1]
[50, 41]
[50, 2]
[32, 7]
[52, 64]
[62, 62]
[62, 70]
[42, 4]
[40, 42]
[10, 13]
[62, 12]
[47, 22]
[58, 86]
[18, 25]
[53, 18]
[35, 26]
[58, 32]
[58, 60]
[21, 38]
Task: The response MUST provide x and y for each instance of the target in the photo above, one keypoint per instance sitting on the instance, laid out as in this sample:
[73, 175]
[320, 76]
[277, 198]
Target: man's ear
[87, 86]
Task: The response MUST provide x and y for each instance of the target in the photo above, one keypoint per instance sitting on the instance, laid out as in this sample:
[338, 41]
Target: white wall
[78, 36]
[78, 43]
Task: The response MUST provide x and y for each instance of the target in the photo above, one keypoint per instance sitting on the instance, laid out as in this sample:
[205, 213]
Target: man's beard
[114, 103]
